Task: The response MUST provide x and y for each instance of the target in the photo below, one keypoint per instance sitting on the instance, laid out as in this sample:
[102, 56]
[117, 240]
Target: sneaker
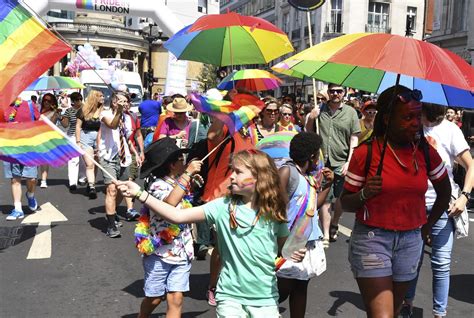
[118, 223]
[92, 193]
[333, 230]
[15, 215]
[132, 215]
[113, 232]
[82, 182]
[43, 184]
[406, 312]
[72, 188]
[32, 203]
[211, 297]
[202, 252]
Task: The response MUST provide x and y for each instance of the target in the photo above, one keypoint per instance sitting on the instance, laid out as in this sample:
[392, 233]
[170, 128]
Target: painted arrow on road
[42, 242]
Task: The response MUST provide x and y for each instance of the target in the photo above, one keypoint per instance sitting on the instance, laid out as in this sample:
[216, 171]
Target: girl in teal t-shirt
[251, 230]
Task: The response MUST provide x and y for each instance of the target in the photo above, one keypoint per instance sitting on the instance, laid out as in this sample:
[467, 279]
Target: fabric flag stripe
[28, 50]
[45, 145]
[205, 105]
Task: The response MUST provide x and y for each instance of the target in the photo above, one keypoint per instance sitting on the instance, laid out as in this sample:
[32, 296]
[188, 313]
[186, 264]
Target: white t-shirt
[449, 141]
[109, 145]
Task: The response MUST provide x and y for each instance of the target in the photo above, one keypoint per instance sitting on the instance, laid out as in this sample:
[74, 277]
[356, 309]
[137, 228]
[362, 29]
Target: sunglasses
[271, 111]
[371, 112]
[336, 91]
[407, 97]
[286, 114]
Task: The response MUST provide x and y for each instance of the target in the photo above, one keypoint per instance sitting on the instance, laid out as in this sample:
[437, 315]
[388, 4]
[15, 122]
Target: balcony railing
[333, 28]
[92, 28]
[371, 28]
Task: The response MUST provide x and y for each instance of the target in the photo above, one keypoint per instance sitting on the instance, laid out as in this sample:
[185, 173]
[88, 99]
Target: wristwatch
[466, 194]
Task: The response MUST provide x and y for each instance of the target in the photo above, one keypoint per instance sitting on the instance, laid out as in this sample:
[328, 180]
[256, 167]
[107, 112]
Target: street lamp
[153, 35]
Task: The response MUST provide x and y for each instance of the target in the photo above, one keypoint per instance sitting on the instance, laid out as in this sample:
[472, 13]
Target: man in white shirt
[115, 155]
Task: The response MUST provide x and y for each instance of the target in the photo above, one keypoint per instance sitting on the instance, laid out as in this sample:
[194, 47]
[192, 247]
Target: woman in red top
[391, 222]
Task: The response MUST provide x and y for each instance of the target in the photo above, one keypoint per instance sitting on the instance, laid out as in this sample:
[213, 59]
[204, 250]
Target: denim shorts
[114, 168]
[89, 138]
[229, 308]
[376, 252]
[15, 170]
[161, 277]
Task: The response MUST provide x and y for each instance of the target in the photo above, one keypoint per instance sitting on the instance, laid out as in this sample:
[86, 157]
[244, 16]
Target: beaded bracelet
[139, 193]
[182, 186]
[188, 174]
[362, 196]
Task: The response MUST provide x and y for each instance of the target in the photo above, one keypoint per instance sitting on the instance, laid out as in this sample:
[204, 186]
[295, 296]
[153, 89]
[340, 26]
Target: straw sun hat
[179, 105]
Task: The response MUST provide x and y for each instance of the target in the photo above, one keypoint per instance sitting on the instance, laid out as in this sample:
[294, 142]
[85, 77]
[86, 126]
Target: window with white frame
[285, 23]
[336, 16]
[378, 17]
[411, 18]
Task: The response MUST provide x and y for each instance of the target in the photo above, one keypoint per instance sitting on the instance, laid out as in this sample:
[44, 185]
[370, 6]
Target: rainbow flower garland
[147, 243]
[12, 116]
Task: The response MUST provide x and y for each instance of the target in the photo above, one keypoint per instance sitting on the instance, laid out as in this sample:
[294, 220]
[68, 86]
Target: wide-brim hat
[179, 105]
[158, 153]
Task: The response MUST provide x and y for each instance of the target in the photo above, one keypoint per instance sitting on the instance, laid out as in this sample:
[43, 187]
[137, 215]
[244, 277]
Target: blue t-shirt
[150, 112]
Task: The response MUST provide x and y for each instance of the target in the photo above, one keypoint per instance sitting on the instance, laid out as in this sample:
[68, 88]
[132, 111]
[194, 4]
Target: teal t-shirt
[247, 254]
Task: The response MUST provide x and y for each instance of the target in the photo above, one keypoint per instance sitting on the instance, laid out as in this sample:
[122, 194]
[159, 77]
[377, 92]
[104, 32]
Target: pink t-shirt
[169, 128]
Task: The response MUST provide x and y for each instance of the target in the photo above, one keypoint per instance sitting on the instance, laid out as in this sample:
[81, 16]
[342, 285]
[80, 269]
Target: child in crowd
[167, 248]
[300, 179]
[251, 229]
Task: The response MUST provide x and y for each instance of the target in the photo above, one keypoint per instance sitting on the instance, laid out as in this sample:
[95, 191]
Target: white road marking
[41, 247]
[471, 220]
[344, 230]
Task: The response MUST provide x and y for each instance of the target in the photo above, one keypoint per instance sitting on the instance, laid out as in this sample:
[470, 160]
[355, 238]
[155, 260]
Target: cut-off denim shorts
[16, 170]
[376, 252]
[89, 138]
[161, 277]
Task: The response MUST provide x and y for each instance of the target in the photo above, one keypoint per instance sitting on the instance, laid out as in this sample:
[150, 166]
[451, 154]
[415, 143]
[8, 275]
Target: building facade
[125, 37]
[451, 27]
[334, 18]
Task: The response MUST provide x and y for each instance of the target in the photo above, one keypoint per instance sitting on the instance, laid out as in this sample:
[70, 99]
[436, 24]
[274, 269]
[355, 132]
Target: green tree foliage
[208, 77]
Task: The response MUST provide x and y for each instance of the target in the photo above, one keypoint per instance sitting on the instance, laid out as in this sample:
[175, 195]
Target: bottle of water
[299, 236]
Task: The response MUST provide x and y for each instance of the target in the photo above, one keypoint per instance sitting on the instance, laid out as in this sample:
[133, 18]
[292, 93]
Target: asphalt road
[91, 275]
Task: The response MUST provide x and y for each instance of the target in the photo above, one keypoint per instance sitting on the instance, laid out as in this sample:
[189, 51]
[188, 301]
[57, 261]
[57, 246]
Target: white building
[332, 19]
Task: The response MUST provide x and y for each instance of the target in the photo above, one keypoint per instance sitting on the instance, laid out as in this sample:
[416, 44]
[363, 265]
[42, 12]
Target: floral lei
[11, 117]
[147, 243]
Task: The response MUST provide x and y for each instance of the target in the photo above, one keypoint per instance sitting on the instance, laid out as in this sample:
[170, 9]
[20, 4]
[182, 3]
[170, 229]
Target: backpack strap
[426, 153]
[368, 157]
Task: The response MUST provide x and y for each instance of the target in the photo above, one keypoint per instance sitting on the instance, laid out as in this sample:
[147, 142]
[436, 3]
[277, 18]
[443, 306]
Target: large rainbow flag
[27, 50]
[35, 143]
[235, 114]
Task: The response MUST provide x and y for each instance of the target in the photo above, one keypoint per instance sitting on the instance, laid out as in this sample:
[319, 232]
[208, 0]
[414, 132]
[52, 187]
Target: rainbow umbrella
[373, 62]
[277, 145]
[251, 79]
[48, 83]
[283, 68]
[229, 39]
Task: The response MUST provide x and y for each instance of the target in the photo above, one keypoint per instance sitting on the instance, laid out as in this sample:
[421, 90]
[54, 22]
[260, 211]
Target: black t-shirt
[92, 124]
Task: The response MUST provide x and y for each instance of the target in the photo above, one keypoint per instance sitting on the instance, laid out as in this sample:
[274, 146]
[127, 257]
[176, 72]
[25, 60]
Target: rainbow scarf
[234, 115]
[35, 143]
[28, 49]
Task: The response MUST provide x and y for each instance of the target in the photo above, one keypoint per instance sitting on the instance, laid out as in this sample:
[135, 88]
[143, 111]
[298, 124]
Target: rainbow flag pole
[76, 147]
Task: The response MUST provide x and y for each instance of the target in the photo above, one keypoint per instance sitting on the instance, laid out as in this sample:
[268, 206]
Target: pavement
[59, 263]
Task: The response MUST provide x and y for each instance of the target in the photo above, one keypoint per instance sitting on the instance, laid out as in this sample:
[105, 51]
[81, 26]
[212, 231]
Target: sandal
[333, 230]
[325, 243]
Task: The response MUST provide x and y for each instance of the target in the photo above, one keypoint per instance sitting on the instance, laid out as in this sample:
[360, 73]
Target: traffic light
[150, 78]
